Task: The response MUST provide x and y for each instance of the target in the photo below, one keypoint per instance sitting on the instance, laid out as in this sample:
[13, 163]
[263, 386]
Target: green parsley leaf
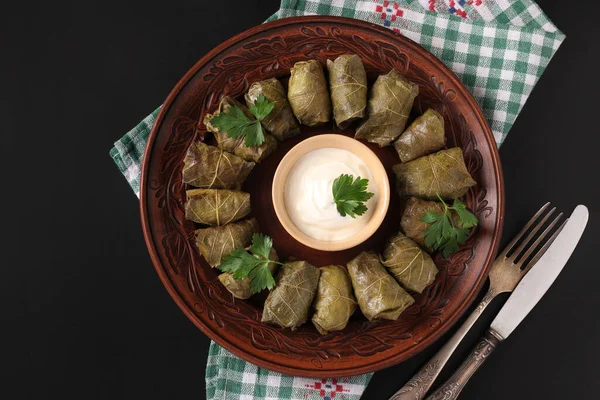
[449, 247]
[261, 245]
[360, 209]
[254, 264]
[468, 220]
[433, 234]
[350, 194]
[239, 263]
[254, 135]
[237, 124]
[261, 107]
[234, 122]
[461, 234]
[261, 278]
[443, 233]
[430, 217]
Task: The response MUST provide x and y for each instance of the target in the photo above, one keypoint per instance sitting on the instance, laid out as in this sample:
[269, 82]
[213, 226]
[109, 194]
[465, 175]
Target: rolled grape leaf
[216, 206]
[334, 303]
[240, 288]
[390, 102]
[237, 146]
[424, 136]
[289, 303]
[280, 122]
[411, 222]
[442, 174]
[217, 242]
[308, 94]
[379, 295]
[209, 167]
[412, 267]
[348, 86]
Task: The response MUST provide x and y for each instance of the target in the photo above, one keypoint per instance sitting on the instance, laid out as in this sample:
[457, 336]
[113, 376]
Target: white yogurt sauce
[308, 194]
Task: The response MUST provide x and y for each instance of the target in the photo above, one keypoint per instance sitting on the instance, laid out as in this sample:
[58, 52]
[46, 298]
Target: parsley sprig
[253, 263]
[350, 195]
[236, 124]
[445, 233]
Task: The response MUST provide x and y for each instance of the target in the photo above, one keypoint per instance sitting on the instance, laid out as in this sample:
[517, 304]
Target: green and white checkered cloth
[499, 48]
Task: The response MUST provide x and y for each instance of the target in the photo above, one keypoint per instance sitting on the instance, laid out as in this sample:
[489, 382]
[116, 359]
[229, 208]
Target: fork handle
[453, 386]
[416, 388]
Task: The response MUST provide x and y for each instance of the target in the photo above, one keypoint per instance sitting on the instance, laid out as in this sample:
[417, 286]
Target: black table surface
[84, 314]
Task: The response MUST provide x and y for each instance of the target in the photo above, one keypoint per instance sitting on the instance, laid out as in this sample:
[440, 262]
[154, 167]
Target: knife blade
[537, 281]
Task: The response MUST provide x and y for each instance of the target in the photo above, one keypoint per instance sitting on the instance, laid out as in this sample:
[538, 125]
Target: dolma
[216, 206]
[411, 222]
[412, 267]
[379, 295]
[390, 102]
[209, 167]
[237, 145]
[280, 122]
[217, 242]
[289, 302]
[348, 85]
[240, 288]
[308, 94]
[424, 136]
[334, 303]
[442, 174]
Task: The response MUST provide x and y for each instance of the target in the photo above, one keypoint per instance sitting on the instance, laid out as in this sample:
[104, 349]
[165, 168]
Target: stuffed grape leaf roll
[411, 222]
[240, 288]
[442, 174]
[237, 145]
[289, 303]
[308, 94]
[390, 102]
[348, 86]
[209, 167]
[424, 136]
[280, 122]
[335, 302]
[379, 295]
[217, 242]
[409, 264]
[216, 206]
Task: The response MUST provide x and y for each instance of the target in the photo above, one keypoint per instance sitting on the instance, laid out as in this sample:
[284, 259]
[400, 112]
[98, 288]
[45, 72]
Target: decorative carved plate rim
[368, 363]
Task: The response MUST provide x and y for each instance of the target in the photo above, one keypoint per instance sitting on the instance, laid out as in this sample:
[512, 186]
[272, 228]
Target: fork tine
[541, 251]
[525, 228]
[540, 239]
[531, 235]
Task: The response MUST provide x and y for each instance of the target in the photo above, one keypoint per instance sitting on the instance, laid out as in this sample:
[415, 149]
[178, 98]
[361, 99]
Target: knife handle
[453, 386]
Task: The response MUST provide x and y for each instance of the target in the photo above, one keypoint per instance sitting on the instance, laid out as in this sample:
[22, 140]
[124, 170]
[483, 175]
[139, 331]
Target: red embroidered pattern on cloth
[328, 389]
[389, 12]
[453, 6]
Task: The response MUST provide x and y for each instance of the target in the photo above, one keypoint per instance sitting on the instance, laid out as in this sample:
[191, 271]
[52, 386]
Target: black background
[83, 311]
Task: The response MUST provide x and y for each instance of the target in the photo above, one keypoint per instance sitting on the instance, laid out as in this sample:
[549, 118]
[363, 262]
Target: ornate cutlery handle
[416, 388]
[459, 379]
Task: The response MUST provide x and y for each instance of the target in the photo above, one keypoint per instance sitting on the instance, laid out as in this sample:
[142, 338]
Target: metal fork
[504, 276]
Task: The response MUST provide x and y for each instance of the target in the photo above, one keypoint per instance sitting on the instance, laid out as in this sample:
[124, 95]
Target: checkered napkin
[499, 49]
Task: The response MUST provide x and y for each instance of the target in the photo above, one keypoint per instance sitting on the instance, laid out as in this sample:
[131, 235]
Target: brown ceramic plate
[270, 50]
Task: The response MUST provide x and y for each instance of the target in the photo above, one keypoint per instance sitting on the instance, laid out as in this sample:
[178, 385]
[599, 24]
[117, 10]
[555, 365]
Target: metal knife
[525, 296]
